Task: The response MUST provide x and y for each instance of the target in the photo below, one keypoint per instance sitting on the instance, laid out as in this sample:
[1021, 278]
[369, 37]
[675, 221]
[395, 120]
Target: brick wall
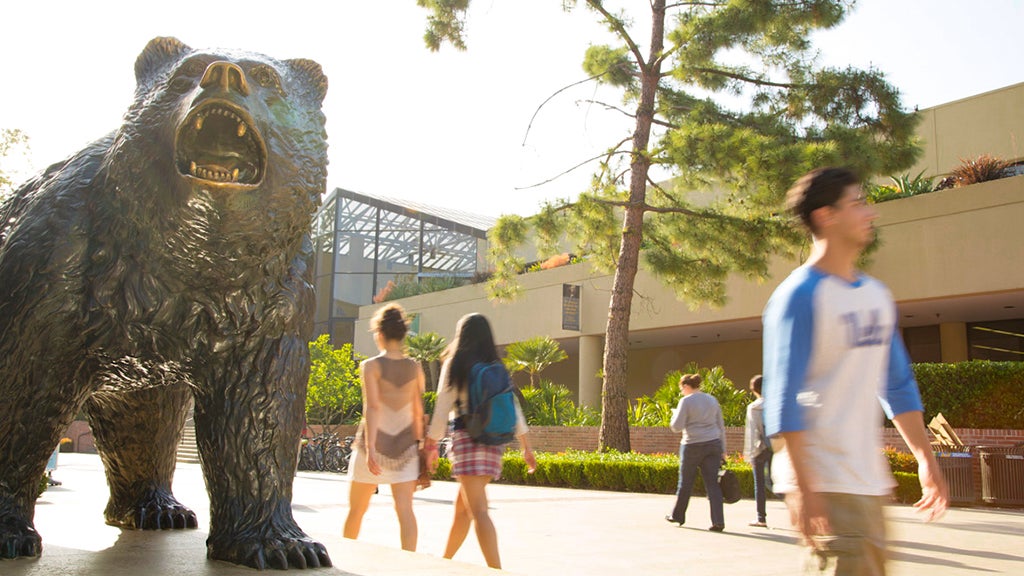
[662, 440]
[647, 440]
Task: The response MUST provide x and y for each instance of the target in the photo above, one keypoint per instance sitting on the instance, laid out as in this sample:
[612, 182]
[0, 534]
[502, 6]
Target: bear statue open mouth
[217, 144]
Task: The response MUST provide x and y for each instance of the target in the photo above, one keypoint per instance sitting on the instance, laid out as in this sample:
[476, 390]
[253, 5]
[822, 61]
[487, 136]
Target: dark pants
[762, 466]
[707, 457]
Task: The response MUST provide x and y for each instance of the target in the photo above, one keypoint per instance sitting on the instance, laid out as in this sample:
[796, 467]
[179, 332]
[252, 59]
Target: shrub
[656, 410]
[980, 169]
[881, 193]
[410, 285]
[629, 472]
[901, 461]
[429, 400]
[549, 404]
[908, 487]
[444, 469]
[975, 394]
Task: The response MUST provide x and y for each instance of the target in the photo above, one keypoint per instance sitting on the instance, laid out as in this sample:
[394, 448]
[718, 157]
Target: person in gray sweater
[699, 417]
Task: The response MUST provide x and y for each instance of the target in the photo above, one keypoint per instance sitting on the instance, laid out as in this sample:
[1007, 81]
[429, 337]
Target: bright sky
[443, 128]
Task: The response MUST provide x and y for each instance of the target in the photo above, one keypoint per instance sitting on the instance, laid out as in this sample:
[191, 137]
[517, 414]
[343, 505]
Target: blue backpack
[491, 418]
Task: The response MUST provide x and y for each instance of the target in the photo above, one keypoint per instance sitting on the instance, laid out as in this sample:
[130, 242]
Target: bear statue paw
[156, 512]
[18, 538]
[281, 553]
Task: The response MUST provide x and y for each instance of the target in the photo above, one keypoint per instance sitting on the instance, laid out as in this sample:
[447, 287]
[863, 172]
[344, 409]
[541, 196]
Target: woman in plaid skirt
[473, 464]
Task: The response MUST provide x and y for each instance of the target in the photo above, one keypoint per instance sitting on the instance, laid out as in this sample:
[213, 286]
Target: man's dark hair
[817, 189]
[755, 384]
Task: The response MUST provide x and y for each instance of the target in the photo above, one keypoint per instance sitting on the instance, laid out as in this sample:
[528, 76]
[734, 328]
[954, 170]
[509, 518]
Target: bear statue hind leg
[137, 434]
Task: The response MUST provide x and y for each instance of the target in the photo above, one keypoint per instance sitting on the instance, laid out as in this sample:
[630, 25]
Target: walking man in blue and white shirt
[832, 353]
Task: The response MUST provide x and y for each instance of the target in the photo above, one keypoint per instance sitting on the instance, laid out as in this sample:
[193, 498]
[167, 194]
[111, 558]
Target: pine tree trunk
[614, 433]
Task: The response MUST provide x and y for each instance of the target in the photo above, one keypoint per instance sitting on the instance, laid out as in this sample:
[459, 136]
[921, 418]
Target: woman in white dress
[386, 449]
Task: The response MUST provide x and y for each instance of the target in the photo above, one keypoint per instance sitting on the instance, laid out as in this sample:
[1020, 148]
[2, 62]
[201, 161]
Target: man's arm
[903, 404]
[934, 491]
[807, 509]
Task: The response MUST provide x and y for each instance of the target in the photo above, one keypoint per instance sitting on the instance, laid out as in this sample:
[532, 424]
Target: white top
[755, 441]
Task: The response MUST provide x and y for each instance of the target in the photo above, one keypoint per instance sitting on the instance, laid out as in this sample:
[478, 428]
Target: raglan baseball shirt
[832, 353]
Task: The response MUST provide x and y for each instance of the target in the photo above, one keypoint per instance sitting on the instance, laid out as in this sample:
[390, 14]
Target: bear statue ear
[158, 54]
[312, 75]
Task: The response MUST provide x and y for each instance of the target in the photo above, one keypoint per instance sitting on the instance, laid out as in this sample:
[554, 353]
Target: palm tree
[427, 348]
[533, 355]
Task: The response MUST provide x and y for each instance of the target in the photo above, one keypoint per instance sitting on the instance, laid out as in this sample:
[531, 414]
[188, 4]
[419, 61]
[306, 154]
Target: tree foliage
[656, 410]
[549, 404]
[533, 355]
[728, 98]
[426, 347]
[11, 139]
[335, 392]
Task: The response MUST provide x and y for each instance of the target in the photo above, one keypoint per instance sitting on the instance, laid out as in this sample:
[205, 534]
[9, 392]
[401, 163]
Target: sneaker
[758, 524]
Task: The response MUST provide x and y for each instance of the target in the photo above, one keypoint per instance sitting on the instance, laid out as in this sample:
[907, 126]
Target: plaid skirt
[470, 458]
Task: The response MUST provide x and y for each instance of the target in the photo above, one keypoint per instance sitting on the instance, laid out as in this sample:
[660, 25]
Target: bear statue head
[242, 130]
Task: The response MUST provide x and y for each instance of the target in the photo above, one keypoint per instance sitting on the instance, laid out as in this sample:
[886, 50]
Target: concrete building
[953, 260]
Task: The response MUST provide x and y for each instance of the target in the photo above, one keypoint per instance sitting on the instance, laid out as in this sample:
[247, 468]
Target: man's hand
[809, 514]
[934, 490]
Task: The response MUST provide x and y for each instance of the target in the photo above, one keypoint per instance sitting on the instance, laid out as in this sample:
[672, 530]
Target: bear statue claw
[281, 554]
[19, 539]
[158, 513]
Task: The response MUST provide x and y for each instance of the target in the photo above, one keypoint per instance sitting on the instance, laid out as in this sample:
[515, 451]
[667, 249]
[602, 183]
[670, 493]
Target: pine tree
[728, 98]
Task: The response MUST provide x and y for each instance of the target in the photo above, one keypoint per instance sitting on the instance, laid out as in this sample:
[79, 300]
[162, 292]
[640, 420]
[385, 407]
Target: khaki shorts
[857, 545]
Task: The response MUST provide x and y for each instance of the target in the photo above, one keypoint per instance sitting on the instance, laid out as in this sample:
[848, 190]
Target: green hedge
[975, 394]
[632, 472]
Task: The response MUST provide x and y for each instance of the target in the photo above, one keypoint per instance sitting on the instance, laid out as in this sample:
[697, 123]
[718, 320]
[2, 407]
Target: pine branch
[548, 99]
[747, 79]
[627, 114]
[580, 165]
[620, 30]
[681, 4]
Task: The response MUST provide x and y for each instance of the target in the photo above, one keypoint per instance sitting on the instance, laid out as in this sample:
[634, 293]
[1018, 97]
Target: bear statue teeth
[221, 146]
[215, 174]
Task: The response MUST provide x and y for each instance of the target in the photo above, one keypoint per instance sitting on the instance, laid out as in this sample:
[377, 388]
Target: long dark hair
[474, 342]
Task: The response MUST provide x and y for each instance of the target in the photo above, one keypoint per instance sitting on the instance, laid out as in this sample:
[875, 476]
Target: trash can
[1002, 475]
[957, 465]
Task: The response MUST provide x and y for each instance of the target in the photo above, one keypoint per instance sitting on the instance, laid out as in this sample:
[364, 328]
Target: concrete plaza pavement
[540, 530]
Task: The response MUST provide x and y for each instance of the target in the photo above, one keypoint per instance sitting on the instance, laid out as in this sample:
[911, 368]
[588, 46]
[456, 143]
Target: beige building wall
[935, 247]
[949, 257]
[991, 123]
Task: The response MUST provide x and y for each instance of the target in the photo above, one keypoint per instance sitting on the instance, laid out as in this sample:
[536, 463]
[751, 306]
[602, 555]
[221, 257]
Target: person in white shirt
[832, 353]
[758, 451]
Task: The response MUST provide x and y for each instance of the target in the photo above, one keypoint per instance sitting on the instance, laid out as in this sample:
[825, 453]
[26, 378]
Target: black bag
[730, 486]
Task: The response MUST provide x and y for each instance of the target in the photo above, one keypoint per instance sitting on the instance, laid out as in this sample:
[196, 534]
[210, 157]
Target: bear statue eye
[185, 77]
[266, 77]
[193, 67]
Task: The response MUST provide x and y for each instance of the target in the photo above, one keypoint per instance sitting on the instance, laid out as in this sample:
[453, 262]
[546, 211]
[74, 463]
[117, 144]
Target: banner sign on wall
[571, 307]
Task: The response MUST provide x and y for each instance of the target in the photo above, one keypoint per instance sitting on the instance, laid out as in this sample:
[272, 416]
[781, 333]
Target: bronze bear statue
[170, 263]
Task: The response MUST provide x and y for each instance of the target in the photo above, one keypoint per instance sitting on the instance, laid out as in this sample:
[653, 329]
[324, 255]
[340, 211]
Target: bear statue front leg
[34, 412]
[137, 434]
[249, 408]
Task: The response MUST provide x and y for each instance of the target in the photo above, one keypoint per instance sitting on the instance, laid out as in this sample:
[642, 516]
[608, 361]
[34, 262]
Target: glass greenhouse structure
[367, 246]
